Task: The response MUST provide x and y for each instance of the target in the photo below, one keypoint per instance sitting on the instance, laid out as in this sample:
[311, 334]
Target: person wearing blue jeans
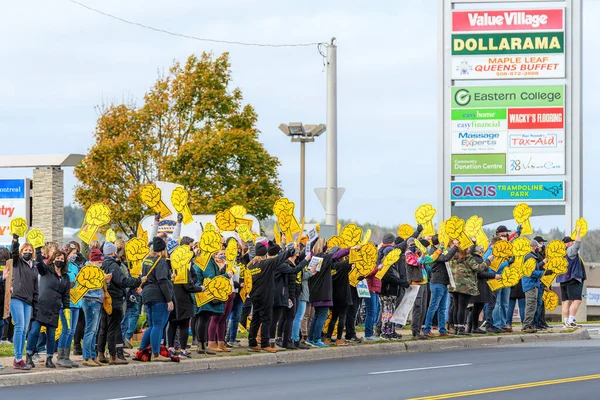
[511, 309]
[499, 314]
[538, 322]
[20, 313]
[130, 320]
[372, 312]
[91, 307]
[66, 338]
[314, 334]
[439, 303]
[297, 321]
[234, 318]
[158, 315]
[33, 337]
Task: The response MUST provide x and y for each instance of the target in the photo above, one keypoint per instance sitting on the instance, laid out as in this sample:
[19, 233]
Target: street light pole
[302, 176]
[331, 196]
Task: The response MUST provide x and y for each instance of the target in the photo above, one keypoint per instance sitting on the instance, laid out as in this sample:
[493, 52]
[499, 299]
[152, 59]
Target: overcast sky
[61, 60]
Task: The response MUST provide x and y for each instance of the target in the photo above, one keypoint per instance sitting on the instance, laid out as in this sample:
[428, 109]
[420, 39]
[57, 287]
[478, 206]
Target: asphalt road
[389, 377]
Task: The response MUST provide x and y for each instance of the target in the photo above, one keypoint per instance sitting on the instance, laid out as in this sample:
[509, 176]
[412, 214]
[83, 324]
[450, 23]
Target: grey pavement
[379, 377]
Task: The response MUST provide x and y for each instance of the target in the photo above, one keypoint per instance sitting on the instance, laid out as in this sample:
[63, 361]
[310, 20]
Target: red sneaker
[21, 365]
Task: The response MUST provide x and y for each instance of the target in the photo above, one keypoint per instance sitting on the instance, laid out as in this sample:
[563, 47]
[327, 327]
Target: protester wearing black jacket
[486, 296]
[391, 284]
[110, 325]
[23, 298]
[54, 287]
[184, 310]
[262, 270]
[342, 299]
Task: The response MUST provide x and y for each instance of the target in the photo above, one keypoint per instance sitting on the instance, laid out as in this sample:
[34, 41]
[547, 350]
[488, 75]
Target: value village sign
[508, 44]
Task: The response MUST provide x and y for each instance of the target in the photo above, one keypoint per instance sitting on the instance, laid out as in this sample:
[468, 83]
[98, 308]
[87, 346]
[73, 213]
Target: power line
[189, 36]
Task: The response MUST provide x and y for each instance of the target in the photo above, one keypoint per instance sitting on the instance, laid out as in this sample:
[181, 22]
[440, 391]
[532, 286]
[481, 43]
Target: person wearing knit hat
[158, 244]
[273, 249]
[260, 250]
[109, 249]
[91, 306]
[388, 238]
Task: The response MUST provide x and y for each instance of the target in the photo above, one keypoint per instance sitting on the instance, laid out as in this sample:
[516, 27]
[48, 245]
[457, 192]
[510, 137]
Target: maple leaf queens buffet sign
[508, 44]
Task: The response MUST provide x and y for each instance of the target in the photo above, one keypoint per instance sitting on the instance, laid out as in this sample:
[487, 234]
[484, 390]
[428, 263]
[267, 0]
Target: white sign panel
[536, 141]
[535, 163]
[487, 142]
[527, 67]
[14, 202]
[593, 296]
[480, 125]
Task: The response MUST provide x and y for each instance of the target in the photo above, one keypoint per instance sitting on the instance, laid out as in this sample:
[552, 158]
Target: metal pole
[331, 197]
[302, 177]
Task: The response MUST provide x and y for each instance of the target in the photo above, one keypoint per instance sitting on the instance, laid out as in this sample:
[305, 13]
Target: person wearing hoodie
[218, 321]
[342, 299]
[157, 296]
[464, 268]
[485, 296]
[262, 267]
[238, 305]
[391, 284]
[320, 286]
[302, 299]
[66, 337]
[571, 283]
[440, 299]
[91, 305]
[54, 286]
[531, 285]
[24, 297]
[110, 325]
[417, 275]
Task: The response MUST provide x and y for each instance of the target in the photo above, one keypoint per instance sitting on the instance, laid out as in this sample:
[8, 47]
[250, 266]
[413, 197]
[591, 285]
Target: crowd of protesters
[293, 304]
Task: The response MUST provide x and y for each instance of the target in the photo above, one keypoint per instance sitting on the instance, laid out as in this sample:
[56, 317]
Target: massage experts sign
[508, 44]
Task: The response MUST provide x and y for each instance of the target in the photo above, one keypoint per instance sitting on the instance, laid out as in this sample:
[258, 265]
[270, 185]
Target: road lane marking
[129, 398]
[507, 388]
[418, 369]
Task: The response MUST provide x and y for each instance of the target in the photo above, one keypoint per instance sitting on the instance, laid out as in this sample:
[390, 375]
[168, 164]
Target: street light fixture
[302, 134]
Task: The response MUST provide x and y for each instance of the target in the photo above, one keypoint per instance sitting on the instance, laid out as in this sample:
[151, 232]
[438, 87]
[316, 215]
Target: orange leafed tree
[191, 129]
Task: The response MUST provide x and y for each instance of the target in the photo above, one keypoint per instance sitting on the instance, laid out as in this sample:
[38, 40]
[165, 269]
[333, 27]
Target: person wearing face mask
[23, 298]
[66, 337]
[218, 321]
[110, 325]
[54, 289]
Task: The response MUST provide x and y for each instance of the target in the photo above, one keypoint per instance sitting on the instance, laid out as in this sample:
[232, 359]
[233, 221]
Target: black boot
[29, 361]
[49, 363]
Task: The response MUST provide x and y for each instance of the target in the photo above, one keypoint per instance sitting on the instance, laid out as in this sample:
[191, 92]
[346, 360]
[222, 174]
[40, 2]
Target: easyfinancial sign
[521, 44]
[507, 191]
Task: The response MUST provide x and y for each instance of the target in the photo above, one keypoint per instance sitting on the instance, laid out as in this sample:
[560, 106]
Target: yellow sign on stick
[550, 300]
[522, 212]
[501, 251]
[424, 216]
[96, 216]
[18, 226]
[218, 288]
[136, 250]
[151, 196]
[390, 259]
[110, 236]
[351, 235]
[179, 199]
[90, 277]
[210, 243]
[36, 238]
[180, 262]
[455, 230]
[581, 222]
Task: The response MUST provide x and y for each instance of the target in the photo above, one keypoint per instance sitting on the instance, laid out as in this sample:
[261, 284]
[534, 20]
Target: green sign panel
[508, 96]
[473, 114]
[478, 164]
[508, 43]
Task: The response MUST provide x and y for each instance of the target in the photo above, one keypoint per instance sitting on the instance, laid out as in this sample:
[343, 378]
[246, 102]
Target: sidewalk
[240, 358]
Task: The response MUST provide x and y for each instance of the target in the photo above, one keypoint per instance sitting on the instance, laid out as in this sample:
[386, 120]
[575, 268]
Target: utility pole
[302, 177]
[331, 196]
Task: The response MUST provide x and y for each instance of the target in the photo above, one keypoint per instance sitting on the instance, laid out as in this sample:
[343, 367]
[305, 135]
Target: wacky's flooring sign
[508, 44]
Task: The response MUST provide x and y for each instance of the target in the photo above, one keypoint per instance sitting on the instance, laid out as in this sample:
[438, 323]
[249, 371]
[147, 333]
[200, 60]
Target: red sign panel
[507, 20]
[536, 118]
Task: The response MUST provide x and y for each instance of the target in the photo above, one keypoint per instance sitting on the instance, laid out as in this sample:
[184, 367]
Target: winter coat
[533, 281]
[576, 268]
[184, 298]
[393, 281]
[341, 283]
[439, 272]
[485, 293]
[157, 288]
[211, 271]
[73, 272]
[321, 284]
[516, 292]
[120, 282]
[415, 272]
[465, 274]
[25, 277]
[54, 293]
[303, 276]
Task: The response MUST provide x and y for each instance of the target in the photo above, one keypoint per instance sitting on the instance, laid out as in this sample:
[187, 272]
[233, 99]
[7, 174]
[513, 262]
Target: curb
[288, 357]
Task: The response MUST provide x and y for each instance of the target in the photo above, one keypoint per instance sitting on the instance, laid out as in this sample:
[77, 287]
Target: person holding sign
[417, 275]
[342, 299]
[54, 286]
[184, 308]
[157, 295]
[440, 280]
[464, 269]
[486, 296]
[571, 283]
[110, 326]
[91, 305]
[24, 295]
[531, 285]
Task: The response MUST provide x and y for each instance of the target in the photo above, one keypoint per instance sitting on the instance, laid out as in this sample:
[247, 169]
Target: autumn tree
[191, 129]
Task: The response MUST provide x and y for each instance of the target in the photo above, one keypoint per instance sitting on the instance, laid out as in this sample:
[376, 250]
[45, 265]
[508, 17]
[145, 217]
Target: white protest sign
[401, 314]
[362, 288]
[316, 262]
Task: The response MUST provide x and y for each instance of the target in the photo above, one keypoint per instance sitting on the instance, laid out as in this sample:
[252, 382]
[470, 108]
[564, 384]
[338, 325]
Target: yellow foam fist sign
[522, 212]
[351, 235]
[210, 243]
[111, 236]
[474, 229]
[141, 233]
[424, 216]
[528, 267]
[502, 251]
[239, 212]
[90, 277]
[151, 196]
[180, 262]
[231, 252]
[209, 227]
[556, 249]
[244, 232]
[550, 300]
[335, 241]
[284, 212]
[511, 276]
[247, 288]
[367, 237]
[218, 288]
[559, 265]
[583, 225]
[96, 216]
[136, 250]
[225, 221]
[521, 247]
[179, 199]
[405, 231]
[36, 238]
[18, 226]
[454, 228]
[368, 259]
[442, 235]
[390, 259]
